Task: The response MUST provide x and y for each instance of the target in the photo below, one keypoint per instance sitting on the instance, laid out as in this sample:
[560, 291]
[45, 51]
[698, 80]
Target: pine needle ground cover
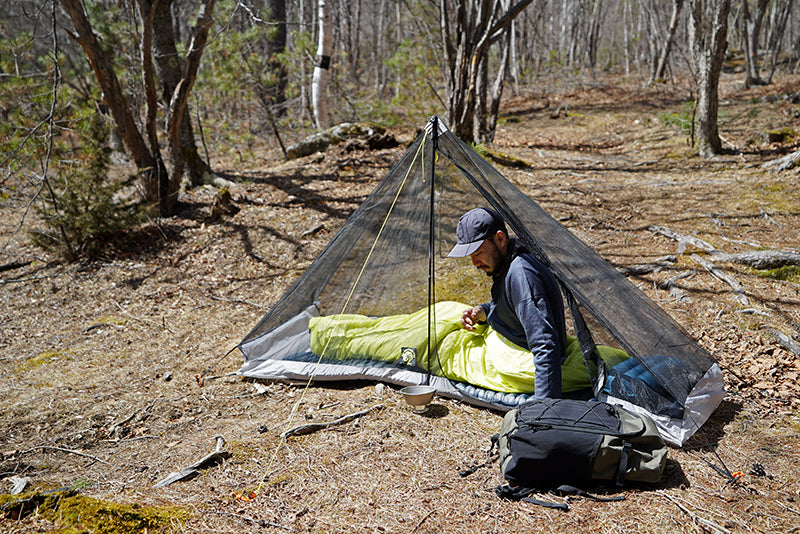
[99, 388]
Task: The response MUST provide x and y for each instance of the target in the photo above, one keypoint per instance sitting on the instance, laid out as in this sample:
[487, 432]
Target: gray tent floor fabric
[296, 363]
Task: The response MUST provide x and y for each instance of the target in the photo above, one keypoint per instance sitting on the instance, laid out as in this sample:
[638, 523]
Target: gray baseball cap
[473, 227]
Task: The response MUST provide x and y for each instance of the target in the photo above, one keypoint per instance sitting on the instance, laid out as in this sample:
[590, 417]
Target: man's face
[488, 258]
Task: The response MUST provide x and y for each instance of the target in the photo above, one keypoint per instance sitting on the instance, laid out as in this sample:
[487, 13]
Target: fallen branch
[70, 451]
[757, 259]
[696, 518]
[193, 470]
[14, 265]
[760, 259]
[783, 163]
[785, 341]
[674, 291]
[314, 427]
[647, 268]
[717, 272]
[682, 240]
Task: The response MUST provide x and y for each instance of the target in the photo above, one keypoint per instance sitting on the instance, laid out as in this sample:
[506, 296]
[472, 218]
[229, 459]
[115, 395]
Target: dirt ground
[98, 361]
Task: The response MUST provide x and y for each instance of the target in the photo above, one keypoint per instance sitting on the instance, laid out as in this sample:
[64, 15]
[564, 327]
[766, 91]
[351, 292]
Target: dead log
[757, 259]
[760, 259]
[373, 134]
[789, 161]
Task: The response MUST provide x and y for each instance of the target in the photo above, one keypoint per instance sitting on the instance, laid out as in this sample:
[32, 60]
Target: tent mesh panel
[379, 262]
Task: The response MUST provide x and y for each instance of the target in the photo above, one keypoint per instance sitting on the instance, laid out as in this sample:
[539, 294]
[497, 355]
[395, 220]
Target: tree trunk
[777, 29]
[276, 45]
[627, 41]
[593, 34]
[709, 43]
[653, 27]
[319, 86]
[148, 163]
[752, 31]
[169, 69]
[158, 183]
[661, 67]
[497, 91]
[477, 26]
[178, 103]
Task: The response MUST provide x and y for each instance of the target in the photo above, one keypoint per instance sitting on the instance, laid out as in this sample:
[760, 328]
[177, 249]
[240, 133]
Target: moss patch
[78, 513]
[42, 358]
[789, 273]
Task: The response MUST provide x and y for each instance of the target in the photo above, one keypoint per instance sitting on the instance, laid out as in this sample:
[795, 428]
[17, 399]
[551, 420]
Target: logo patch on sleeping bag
[408, 356]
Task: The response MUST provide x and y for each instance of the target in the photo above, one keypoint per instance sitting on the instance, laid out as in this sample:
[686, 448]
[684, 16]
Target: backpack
[552, 441]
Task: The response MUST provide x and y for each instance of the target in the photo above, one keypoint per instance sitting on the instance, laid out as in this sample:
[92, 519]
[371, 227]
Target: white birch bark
[319, 83]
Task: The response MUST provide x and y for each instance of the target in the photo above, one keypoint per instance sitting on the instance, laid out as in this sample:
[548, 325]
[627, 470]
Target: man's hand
[472, 317]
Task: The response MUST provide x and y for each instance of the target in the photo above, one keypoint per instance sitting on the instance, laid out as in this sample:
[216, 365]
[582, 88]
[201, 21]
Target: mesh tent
[390, 258]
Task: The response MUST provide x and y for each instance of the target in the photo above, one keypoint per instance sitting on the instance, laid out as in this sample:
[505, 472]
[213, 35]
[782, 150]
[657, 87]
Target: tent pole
[431, 227]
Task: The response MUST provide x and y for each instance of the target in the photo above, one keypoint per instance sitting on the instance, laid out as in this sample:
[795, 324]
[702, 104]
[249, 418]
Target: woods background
[180, 81]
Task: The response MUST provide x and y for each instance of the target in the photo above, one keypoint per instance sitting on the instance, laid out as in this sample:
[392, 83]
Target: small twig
[70, 451]
[313, 427]
[137, 438]
[696, 518]
[121, 309]
[30, 278]
[193, 470]
[236, 301]
[99, 325]
[421, 521]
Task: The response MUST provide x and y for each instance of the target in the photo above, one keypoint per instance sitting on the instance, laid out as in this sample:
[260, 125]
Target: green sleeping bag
[483, 358]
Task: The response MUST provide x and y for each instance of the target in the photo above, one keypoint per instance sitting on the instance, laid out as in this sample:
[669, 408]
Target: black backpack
[554, 441]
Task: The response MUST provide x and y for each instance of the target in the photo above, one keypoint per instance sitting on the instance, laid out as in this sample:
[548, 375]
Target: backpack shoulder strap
[518, 493]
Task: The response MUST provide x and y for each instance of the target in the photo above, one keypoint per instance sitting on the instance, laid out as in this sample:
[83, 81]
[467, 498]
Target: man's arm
[535, 314]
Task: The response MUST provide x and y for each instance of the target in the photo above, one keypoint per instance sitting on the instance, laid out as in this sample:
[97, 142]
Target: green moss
[42, 358]
[78, 513]
[782, 135]
[789, 273]
[501, 158]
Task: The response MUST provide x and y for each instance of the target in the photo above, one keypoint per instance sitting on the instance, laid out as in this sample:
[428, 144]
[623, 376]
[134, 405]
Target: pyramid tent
[390, 260]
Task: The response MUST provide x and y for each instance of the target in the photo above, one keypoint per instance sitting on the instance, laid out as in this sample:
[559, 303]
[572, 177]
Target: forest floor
[98, 361]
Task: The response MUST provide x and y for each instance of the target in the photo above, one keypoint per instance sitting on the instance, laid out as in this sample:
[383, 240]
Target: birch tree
[708, 34]
[319, 84]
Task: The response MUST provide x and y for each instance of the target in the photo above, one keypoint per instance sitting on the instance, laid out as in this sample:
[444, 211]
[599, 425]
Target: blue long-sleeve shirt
[527, 308]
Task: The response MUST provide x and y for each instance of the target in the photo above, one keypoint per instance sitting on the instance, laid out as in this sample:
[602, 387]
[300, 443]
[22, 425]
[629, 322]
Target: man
[526, 306]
